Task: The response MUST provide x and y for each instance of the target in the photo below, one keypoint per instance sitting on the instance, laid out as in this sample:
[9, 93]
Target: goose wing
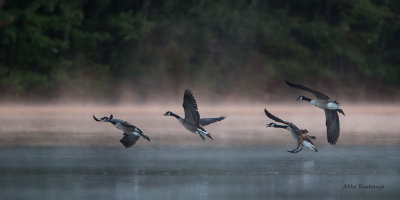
[103, 119]
[207, 121]
[95, 118]
[119, 121]
[190, 106]
[129, 139]
[123, 125]
[332, 125]
[273, 117]
[317, 94]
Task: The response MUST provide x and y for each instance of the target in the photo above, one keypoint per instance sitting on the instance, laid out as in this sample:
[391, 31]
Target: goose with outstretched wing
[192, 121]
[331, 108]
[131, 132]
[300, 135]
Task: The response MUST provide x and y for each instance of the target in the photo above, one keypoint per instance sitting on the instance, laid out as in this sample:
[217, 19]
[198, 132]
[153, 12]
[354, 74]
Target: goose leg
[202, 137]
[301, 148]
[204, 133]
[294, 150]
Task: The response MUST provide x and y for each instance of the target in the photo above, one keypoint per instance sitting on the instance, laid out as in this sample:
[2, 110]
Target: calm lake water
[167, 172]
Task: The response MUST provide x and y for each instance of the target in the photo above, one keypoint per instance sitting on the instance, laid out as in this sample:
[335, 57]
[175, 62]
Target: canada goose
[192, 120]
[300, 135]
[131, 133]
[331, 107]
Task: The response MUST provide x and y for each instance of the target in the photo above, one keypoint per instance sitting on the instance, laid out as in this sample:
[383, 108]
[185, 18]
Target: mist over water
[364, 124]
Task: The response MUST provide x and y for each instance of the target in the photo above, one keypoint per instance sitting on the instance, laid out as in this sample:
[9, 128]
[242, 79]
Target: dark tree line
[47, 47]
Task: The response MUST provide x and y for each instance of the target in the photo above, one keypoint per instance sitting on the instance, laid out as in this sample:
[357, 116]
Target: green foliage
[80, 45]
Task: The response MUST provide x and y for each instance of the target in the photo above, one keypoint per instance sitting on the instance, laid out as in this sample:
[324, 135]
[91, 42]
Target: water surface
[167, 172]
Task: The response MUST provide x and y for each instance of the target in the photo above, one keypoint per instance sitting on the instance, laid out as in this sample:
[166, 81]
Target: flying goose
[131, 132]
[300, 135]
[331, 107]
[192, 120]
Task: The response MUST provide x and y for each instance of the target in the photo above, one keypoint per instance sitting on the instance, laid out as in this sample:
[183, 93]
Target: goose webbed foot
[293, 150]
[297, 149]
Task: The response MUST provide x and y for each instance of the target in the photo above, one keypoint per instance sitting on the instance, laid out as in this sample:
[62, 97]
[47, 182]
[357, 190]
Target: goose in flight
[331, 107]
[192, 121]
[131, 132]
[300, 135]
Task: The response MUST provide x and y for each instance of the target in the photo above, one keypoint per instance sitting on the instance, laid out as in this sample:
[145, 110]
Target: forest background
[150, 50]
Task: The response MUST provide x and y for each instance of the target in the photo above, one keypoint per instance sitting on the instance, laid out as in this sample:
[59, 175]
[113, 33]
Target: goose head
[300, 98]
[271, 125]
[168, 113]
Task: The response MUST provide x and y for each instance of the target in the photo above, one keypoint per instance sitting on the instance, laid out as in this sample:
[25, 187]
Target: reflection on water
[196, 172]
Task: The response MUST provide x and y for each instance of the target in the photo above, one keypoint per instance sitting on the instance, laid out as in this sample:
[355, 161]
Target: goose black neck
[280, 126]
[305, 99]
[175, 115]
